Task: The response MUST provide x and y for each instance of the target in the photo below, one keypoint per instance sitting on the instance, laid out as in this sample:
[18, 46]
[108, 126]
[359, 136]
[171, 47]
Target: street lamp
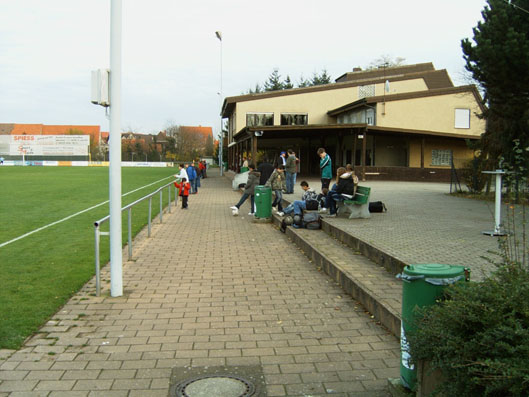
[219, 36]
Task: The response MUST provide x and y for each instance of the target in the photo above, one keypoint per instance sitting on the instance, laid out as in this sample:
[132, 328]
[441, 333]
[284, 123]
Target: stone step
[372, 285]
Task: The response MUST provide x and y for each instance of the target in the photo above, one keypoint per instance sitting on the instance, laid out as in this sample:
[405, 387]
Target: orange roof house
[42, 129]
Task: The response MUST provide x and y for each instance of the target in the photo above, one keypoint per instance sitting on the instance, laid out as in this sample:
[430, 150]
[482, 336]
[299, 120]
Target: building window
[294, 119]
[365, 91]
[441, 157]
[259, 119]
[462, 118]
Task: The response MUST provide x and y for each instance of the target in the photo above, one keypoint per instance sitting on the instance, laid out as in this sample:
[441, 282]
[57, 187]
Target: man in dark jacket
[249, 190]
[265, 169]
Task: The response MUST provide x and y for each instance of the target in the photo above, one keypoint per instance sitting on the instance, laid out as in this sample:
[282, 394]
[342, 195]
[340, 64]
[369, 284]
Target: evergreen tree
[287, 84]
[498, 59]
[319, 79]
[274, 82]
[303, 82]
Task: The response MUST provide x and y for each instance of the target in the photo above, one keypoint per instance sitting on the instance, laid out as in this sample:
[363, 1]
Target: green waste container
[263, 201]
[423, 285]
[225, 164]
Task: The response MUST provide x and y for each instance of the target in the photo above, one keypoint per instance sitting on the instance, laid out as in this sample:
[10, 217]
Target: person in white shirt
[181, 173]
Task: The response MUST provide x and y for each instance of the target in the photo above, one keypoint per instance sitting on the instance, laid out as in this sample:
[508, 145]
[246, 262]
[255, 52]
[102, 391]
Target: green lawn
[39, 273]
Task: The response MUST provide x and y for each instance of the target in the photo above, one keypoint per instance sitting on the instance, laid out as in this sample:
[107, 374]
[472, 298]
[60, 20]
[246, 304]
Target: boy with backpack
[308, 201]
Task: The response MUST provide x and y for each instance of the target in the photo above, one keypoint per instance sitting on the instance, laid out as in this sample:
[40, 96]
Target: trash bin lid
[434, 270]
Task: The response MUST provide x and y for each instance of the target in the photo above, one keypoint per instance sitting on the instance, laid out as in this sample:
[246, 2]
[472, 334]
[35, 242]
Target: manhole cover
[215, 386]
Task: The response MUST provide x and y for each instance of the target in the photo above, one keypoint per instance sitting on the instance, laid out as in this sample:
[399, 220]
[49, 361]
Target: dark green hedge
[479, 336]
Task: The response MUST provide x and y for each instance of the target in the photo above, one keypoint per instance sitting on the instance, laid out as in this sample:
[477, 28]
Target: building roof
[200, 130]
[394, 71]
[44, 129]
[434, 79]
[409, 95]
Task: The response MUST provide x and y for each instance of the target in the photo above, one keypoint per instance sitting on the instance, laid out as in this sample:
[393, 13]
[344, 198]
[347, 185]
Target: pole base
[494, 233]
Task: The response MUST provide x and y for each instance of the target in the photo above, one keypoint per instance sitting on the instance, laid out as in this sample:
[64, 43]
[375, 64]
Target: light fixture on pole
[218, 34]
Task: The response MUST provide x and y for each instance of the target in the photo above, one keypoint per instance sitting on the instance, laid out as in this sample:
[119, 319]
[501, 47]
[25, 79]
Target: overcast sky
[171, 57]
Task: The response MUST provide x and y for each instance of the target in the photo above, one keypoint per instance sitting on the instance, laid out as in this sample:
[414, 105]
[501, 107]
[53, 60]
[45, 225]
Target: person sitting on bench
[345, 188]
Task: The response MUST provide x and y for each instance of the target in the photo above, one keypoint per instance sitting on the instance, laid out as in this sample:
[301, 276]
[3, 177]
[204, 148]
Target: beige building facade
[391, 123]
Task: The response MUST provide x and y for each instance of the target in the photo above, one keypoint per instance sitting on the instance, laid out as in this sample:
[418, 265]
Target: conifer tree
[287, 84]
[274, 82]
[498, 58]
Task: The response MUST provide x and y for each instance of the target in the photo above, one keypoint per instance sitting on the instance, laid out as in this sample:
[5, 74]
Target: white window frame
[258, 113]
[294, 114]
[462, 118]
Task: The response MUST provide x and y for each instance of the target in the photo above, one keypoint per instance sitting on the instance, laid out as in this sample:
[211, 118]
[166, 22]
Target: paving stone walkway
[208, 289]
[424, 224]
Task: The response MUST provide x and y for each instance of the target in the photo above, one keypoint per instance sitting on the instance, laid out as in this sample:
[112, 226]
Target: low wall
[405, 174]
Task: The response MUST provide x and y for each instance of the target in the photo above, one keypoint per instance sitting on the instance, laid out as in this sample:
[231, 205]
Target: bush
[479, 336]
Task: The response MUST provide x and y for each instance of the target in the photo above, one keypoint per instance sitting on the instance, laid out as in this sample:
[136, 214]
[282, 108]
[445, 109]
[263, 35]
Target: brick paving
[208, 289]
[424, 224]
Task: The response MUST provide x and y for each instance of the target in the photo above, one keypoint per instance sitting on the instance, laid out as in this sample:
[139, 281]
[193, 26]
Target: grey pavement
[424, 224]
[208, 290]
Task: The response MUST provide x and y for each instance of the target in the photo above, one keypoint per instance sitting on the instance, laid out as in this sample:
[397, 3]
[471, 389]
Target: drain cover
[217, 381]
[216, 386]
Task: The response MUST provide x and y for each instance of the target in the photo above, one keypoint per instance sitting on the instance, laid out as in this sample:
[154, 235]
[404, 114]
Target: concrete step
[372, 285]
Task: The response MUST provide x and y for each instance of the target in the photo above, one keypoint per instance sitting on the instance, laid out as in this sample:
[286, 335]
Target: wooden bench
[358, 206]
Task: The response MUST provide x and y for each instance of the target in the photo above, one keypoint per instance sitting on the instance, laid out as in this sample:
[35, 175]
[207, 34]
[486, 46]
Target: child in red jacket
[184, 188]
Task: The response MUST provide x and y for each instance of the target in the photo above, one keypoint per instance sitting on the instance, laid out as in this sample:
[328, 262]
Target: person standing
[277, 183]
[183, 188]
[297, 169]
[192, 177]
[290, 170]
[249, 191]
[325, 168]
[265, 169]
[182, 173]
[282, 159]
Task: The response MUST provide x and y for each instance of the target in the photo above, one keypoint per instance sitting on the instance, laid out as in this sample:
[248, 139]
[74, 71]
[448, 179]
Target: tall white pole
[221, 140]
[116, 260]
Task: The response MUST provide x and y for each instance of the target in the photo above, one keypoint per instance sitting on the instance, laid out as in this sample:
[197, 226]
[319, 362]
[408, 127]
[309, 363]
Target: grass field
[40, 272]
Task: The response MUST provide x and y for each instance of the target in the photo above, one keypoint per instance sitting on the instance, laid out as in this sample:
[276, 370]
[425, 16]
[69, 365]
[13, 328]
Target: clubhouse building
[404, 123]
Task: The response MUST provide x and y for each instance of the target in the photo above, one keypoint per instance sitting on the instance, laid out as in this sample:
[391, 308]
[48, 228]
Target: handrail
[128, 208]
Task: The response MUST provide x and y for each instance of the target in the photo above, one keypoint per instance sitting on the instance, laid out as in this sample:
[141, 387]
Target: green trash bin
[423, 285]
[225, 164]
[263, 201]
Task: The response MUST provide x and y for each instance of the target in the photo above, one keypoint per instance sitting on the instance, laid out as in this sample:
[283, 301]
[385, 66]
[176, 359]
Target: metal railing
[128, 208]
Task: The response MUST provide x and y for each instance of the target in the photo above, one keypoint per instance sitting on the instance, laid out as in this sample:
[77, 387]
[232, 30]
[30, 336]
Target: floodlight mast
[116, 259]
[221, 137]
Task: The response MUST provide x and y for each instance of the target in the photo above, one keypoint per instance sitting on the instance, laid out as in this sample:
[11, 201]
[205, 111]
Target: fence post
[169, 195]
[150, 214]
[130, 232]
[98, 275]
[161, 207]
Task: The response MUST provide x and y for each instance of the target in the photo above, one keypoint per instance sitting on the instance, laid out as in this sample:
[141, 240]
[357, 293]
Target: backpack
[312, 221]
[377, 206]
[311, 205]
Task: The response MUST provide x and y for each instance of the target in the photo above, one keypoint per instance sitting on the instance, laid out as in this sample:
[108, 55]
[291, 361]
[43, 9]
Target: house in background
[407, 123]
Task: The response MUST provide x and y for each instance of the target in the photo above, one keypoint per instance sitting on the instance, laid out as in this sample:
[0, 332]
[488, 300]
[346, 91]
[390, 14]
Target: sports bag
[312, 220]
[377, 206]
